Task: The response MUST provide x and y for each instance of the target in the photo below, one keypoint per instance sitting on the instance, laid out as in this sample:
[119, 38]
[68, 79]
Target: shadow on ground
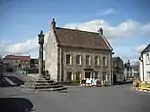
[15, 80]
[15, 105]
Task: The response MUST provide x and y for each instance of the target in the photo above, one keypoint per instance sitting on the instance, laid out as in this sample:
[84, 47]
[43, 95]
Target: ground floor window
[148, 75]
[68, 76]
[104, 76]
[78, 75]
[96, 75]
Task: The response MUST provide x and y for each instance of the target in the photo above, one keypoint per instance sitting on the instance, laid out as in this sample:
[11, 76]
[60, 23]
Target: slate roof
[147, 48]
[117, 59]
[80, 39]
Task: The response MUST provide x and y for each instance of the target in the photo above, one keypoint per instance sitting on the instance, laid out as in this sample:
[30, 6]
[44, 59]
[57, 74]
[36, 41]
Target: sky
[126, 23]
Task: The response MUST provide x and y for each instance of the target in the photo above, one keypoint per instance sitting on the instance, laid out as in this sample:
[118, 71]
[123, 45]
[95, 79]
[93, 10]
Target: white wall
[51, 55]
[146, 68]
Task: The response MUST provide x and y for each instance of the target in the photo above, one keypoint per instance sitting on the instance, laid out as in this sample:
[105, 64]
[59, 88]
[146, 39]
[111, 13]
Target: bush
[77, 81]
[31, 70]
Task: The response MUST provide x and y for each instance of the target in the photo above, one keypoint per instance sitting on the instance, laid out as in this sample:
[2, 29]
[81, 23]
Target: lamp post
[41, 42]
[112, 68]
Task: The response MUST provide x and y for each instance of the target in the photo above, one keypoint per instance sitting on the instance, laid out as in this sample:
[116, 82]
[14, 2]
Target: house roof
[80, 39]
[13, 57]
[117, 58]
[147, 48]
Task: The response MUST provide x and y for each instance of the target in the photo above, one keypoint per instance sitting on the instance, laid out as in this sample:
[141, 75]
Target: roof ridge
[76, 30]
[147, 48]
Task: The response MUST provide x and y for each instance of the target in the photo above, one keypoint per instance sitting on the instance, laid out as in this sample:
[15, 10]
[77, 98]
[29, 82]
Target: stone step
[49, 86]
[54, 83]
[44, 81]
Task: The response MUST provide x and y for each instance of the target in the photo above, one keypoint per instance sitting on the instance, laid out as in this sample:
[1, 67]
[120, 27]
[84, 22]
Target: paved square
[78, 99]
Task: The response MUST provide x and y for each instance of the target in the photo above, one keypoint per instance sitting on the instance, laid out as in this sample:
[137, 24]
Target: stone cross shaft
[41, 42]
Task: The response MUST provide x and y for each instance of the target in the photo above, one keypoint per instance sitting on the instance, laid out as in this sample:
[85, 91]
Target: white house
[145, 64]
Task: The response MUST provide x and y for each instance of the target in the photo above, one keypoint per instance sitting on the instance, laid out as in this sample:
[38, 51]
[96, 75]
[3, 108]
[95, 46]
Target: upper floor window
[104, 61]
[88, 60]
[96, 60]
[68, 59]
[78, 59]
[147, 59]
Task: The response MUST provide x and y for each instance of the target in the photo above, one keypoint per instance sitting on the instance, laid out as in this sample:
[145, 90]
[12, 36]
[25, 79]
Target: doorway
[87, 74]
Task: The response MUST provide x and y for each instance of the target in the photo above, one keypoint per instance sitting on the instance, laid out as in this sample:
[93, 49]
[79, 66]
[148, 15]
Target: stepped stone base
[43, 84]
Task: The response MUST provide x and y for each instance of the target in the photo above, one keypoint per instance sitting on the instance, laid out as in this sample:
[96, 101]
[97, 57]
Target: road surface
[119, 98]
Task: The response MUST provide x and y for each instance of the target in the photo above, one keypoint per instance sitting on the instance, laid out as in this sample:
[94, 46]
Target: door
[87, 74]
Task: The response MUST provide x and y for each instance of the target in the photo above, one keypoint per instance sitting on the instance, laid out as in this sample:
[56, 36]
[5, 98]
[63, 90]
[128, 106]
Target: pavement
[118, 98]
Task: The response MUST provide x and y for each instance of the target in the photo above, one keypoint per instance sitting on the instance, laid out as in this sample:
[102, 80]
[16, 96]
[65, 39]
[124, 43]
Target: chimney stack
[53, 24]
[100, 31]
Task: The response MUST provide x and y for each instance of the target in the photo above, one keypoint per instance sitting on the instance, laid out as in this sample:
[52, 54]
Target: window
[78, 75]
[148, 75]
[104, 61]
[147, 59]
[69, 76]
[78, 59]
[96, 60]
[68, 59]
[88, 59]
[96, 75]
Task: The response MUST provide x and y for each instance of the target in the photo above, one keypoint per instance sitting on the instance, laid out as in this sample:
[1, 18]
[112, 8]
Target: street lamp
[112, 67]
[41, 42]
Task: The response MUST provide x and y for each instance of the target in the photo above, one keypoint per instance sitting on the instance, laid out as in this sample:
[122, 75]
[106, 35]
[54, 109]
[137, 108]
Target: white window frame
[80, 62]
[70, 62]
[97, 60]
[148, 75]
[105, 63]
[89, 60]
[148, 59]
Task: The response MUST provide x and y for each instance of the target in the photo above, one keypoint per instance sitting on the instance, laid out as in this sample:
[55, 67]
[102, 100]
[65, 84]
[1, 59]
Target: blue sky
[22, 20]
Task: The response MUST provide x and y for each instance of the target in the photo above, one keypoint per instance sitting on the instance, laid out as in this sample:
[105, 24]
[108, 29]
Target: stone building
[16, 62]
[117, 65]
[72, 54]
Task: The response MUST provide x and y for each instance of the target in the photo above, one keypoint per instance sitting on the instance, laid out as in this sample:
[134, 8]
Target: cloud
[108, 11]
[29, 47]
[140, 48]
[127, 29]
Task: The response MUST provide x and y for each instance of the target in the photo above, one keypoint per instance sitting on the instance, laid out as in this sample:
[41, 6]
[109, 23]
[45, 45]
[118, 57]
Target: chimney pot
[100, 31]
[53, 24]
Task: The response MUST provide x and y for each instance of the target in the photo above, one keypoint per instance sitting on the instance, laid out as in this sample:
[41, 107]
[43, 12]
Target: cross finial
[41, 32]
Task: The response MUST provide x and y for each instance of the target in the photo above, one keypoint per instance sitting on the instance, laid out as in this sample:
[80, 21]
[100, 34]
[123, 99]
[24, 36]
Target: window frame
[148, 75]
[97, 60]
[104, 62]
[148, 59]
[67, 74]
[70, 61]
[89, 60]
[80, 60]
